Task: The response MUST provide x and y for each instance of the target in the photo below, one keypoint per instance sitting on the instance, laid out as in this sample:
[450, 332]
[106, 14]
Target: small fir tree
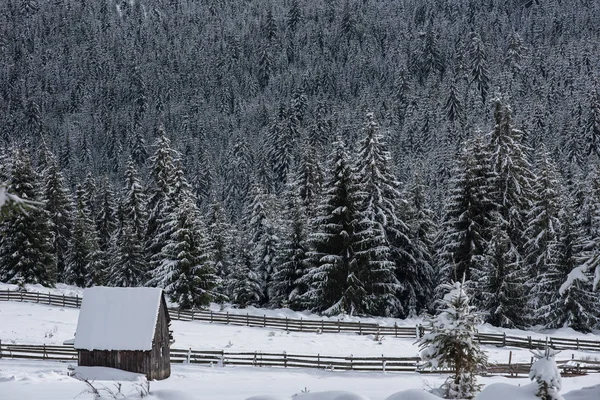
[450, 343]
[545, 372]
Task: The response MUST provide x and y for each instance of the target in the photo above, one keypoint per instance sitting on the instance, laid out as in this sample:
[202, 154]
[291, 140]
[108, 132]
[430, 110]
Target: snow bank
[106, 374]
[504, 391]
[333, 395]
[413, 394]
[117, 318]
[587, 393]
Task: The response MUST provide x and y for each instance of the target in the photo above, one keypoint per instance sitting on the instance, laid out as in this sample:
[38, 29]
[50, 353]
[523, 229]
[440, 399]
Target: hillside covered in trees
[338, 156]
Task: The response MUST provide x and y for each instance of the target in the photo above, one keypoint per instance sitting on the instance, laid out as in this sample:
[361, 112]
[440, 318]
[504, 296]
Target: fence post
[49, 299]
[322, 326]
[211, 317]
[21, 292]
[254, 361]
[264, 320]
[247, 320]
[44, 352]
[318, 360]
[284, 359]
[396, 329]
[286, 324]
[192, 315]
[417, 331]
[301, 325]
[529, 339]
[339, 327]
[63, 300]
[0, 348]
[38, 297]
[383, 363]
[222, 358]
[189, 355]
[227, 318]
[577, 343]
[351, 361]
[359, 328]
[503, 339]
[77, 301]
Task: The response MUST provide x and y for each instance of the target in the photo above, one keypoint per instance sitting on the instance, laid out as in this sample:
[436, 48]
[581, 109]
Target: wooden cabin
[125, 328]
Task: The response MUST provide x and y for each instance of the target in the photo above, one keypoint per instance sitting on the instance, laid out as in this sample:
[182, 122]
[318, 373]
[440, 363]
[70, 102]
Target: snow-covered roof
[117, 318]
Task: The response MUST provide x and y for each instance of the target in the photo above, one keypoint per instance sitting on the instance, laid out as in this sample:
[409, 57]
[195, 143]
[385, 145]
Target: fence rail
[319, 326]
[289, 360]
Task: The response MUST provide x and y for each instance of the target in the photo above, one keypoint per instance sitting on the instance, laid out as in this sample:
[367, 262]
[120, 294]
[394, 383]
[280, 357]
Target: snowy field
[21, 380]
[30, 323]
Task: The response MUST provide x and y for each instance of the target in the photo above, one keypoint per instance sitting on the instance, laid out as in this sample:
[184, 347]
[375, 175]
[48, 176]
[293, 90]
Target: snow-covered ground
[48, 381]
[31, 323]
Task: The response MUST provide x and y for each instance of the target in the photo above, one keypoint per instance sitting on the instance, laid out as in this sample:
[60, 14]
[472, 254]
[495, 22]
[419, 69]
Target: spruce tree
[373, 262]
[263, 239]
[543, 236]
[85, 265]
[221, 246]
[546, 374]
[244, 286]
[106, 222]
[466, 223]
[450, 343]
[334, 286]
[59, 205]
[291, 263]
[26, 251]
[186, 273]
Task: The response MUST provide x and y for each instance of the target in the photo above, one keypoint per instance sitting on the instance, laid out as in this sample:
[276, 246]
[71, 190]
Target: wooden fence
[319, 326]
[288, 360]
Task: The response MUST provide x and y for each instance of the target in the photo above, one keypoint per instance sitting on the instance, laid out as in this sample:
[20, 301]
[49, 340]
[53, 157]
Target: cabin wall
[132, 361]
[161, 352]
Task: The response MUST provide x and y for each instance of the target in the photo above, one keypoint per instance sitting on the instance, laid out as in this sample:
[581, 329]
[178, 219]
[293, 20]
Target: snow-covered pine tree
[545, 372]
[158, 189]
[134, 201]
[26, 252]
[244, 284]
[421, 220]
[543, 234]
[291, 263]
[264, 240]
[59, 205]
[85, 265]
[128, 267]
[513, 177]
[450, 343]
[466, 223]
[500, 281]
[373, 268]
[106, 222]
[180, 192]
[330, 278]
[220, 245]
[574, 304]
[501, 272]
[186, 273]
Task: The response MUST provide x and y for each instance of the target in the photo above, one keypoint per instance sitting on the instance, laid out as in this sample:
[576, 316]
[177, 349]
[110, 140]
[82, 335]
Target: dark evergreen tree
[59, 205]
[373, 261]
[26, 251]
[291, 262]
[543, 239]
[85, 266]
[334, 285]
[187, 274]
[221, 246]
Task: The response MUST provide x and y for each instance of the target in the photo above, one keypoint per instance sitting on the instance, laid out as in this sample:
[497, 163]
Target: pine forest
[338, 156]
